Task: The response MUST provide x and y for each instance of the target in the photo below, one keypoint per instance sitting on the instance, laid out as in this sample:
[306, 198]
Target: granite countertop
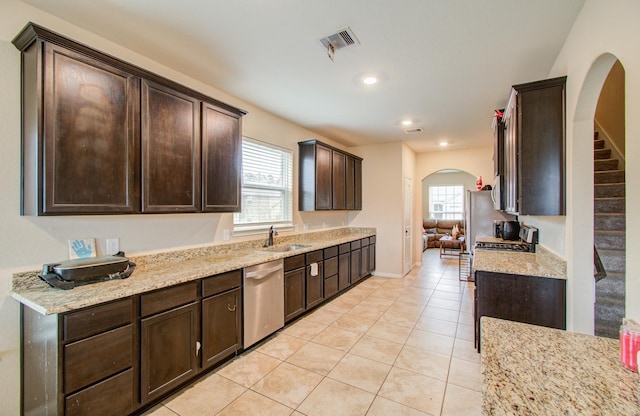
[542, 263]
[534, 370]
[170, 268]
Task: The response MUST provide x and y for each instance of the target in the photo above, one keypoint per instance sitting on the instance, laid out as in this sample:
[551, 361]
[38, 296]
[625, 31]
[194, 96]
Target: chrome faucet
[272, 233]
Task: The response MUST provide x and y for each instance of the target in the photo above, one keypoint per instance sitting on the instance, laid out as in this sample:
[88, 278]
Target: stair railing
[600, 272]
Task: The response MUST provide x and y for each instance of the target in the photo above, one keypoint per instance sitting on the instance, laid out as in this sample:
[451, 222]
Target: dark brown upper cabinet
[80, 135]
[170, 150]
[101, 136]
[535, 148]
[339, 180]
[221, 160]
[329, 178]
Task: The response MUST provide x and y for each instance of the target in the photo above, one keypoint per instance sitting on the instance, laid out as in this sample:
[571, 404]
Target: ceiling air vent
[341, 39]
[413, 131]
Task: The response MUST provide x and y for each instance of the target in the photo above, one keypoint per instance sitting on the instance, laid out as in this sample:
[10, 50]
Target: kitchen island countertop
[170, 268]
[533, 370]
[542, 263]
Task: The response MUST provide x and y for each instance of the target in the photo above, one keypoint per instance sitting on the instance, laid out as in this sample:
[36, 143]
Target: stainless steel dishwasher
[263, 300]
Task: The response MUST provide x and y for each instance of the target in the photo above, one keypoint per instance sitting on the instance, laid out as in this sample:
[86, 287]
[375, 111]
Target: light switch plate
[113, 245]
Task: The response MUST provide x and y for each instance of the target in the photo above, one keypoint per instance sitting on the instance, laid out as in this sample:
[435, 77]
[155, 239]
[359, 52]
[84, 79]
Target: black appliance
[65, 275]
[510, 230]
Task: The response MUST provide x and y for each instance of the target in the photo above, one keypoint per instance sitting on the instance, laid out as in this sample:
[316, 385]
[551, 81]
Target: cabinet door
[350, 182]
[541, 154]
[323, 178]
[315, 286]
[357, 187]
[372, 258]
[364, 268]
[294, 293]
[168, 350]
[221, 326]
[170, 150]
[356, 265]
[344, 265]
[221, 160]
[339, 180]
[91, 146]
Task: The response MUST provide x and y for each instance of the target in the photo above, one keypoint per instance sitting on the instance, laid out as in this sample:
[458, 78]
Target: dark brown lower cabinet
[168, 350]
[111, 397]
[221, 326]
[294, 293]
[529, 299]
[330, 276]
[356, 265]
[80, 363]
[315, 286]
[344, 265]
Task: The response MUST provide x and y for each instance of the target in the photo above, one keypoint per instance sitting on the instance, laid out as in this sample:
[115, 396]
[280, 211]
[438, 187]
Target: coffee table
[451, 247]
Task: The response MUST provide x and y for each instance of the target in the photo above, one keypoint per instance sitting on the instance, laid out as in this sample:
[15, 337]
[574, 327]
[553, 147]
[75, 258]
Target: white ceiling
[446, 64]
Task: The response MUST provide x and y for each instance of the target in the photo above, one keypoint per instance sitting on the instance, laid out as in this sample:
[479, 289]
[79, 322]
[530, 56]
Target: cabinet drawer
[355, 245]
[221, 282]
[165, 299]
[314, 256]
[344, 248]
[97, 319]
[294, 262]
[364, 242]
[98, 357]
[111, 397]
[330, 252]
[330, 286]
[372, 239]
[331, 267]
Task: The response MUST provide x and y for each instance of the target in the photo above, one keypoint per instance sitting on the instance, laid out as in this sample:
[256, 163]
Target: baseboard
[391, 275]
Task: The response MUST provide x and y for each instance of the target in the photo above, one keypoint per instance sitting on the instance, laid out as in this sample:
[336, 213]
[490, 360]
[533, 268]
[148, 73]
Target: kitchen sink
[286, 247]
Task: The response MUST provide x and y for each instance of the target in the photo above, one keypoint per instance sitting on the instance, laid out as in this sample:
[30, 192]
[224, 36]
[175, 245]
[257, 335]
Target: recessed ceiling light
[407, 122]
[369, 80]
[443, 144]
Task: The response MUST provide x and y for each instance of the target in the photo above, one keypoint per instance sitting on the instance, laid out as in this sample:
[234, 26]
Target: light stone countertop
[170, 268]
[534, 370]
[542, 263]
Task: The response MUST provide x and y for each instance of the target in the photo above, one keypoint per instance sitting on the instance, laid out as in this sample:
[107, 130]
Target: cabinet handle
[198, 346]
[231, 309]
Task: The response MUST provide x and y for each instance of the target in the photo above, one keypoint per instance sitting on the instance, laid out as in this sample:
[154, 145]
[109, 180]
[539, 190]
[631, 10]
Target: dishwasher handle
[261, 274]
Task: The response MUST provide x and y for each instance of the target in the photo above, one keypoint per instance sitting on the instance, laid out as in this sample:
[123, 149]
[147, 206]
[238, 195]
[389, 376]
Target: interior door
[408, 231]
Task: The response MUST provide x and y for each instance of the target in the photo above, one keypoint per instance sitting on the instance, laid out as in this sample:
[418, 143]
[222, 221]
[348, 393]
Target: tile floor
[386, 347]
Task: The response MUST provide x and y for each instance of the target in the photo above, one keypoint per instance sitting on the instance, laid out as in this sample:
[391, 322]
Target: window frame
[447, 215]
[286, 189]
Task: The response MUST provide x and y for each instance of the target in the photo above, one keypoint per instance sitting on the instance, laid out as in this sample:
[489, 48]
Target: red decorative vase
[479, 183]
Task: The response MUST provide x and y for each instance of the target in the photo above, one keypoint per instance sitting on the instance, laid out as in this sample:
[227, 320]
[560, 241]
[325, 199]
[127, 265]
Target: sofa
[434, 229]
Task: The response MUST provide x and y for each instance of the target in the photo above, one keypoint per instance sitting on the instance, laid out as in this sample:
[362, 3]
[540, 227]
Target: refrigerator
[480, 215]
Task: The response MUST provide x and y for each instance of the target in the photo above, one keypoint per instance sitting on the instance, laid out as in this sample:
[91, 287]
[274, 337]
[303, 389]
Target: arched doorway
[580, 221]
[609, 216]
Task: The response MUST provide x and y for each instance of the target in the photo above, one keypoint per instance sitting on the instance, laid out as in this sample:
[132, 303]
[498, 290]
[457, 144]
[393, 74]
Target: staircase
[609, 240]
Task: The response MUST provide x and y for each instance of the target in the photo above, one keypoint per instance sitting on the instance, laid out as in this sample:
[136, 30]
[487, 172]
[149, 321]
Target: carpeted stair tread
[609, 176]
[609, 222]
[602, 154]
[609, 190]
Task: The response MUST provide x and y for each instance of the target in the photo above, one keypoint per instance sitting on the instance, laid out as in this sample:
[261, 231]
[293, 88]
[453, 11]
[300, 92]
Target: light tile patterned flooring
[386, 347]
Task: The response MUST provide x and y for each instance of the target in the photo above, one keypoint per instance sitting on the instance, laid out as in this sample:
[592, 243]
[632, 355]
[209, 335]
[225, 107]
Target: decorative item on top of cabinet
[329, 178]
[535, 148]
[82, 116]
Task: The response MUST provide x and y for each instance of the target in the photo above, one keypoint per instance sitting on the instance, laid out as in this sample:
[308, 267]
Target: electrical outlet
[113, 245]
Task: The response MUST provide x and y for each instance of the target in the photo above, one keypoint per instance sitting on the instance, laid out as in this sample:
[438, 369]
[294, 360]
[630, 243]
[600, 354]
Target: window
[267, 182]
[445, 202]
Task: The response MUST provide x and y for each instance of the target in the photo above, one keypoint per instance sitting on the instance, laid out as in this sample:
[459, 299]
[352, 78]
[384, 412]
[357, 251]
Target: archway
[580, 202]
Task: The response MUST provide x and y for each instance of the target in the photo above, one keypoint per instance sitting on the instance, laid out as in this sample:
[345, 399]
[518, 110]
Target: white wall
[603, 32]
[382, 203]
